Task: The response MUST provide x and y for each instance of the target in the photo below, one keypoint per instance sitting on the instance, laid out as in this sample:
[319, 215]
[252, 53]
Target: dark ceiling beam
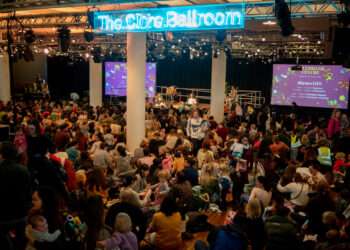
[42, 4]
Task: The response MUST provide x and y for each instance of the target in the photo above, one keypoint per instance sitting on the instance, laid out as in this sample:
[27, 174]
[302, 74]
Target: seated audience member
[77, 169]
[122, 237]
[178, 163]
[40, 230]
[298, 189]
[122, 162]
[190, 172]
[101, 158]
[261, 192]
[127, 205]
[167, 226]
[229, 237]
[281, 233]
[204, 155]
[311, 174]
[255, 224]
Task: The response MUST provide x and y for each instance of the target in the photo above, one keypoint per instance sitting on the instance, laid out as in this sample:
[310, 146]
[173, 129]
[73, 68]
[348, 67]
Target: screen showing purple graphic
[115, 79]
[322, 86]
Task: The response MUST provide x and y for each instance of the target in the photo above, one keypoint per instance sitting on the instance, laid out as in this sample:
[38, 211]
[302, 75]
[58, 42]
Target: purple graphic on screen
[115, 79]
[323, 86]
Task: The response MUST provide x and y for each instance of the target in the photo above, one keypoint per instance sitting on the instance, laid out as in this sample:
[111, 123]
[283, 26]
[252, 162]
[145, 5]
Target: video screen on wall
[322, 86]
[116, 74]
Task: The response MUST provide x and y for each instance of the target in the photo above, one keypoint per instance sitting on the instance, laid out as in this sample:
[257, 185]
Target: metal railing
[251, 97]
[202, 95]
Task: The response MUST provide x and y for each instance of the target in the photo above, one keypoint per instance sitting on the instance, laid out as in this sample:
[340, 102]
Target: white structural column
[135, 100]
[218, 82]
[95, 83]
[5, 82]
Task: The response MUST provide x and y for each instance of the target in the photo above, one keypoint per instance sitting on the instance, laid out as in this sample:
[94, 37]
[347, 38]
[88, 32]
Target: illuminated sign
[198, 17]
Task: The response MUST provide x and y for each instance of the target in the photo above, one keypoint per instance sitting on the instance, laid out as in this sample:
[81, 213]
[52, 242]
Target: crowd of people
[68, 181]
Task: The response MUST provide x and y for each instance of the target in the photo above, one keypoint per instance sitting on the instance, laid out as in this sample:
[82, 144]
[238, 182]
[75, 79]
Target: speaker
[341, 46]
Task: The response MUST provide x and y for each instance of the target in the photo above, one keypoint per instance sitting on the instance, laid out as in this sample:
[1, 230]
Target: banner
[196, 17]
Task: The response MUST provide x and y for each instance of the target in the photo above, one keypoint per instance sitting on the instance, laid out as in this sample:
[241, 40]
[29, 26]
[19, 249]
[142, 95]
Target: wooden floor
[216, 219]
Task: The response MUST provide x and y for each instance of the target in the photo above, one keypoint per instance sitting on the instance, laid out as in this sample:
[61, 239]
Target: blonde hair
[340, 156]
[253, 209]
[123, 223]
[163, 174]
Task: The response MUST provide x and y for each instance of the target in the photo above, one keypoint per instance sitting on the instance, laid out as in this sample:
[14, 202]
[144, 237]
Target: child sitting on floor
[122, 238]
[40, 230]
[163, 186]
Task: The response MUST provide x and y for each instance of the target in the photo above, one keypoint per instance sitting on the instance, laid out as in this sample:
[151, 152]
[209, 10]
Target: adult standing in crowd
[15, 192]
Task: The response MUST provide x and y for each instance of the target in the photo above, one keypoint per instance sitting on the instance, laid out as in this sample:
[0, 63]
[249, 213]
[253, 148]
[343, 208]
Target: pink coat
[333, 127]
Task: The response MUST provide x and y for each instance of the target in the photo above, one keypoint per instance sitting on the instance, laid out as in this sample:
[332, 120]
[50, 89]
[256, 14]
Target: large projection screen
[321, 86]
[115, 79]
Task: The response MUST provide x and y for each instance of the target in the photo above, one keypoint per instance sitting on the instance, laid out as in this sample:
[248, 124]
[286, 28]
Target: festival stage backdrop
[323, 86]
[116, 74]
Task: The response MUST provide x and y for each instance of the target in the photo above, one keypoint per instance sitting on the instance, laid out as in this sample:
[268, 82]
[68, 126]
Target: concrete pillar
[218, 82]
[5, 81]
[95, 83]
[135, 100]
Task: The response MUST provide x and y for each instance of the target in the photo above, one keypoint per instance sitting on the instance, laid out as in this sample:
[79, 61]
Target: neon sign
[199, 17]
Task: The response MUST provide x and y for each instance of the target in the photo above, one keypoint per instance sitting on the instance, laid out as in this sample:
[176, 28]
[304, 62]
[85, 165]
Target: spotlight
[97, 54]
[46, 51]
[29, 36]
[64, 38]
[283, 16]
[344, 16]
[89, 36]
[221, 36]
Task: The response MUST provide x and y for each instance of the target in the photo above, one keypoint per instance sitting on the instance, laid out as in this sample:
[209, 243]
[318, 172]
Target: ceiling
[313, 35]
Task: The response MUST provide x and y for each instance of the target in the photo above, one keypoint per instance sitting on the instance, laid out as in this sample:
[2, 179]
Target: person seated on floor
[166, 226]
[123, 237]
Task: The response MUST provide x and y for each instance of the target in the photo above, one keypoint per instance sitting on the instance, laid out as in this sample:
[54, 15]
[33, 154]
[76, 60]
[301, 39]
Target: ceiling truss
[254, 10]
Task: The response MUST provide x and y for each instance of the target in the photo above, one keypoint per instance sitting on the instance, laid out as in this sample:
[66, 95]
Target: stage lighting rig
[89, 35]
[29, 36]
[220, 36]
[96, 53]
[283, 16]
[64, 38]
[344, 16]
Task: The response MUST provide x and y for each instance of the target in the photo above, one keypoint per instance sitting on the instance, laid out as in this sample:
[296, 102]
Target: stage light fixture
[96, 53]
[344, 16]
[283, 16]
[64, 38]
[29, 36]
[89, 36]
[221, 36]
